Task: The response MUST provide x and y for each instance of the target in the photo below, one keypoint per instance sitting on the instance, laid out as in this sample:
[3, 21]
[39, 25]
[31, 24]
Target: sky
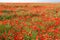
[53, 1]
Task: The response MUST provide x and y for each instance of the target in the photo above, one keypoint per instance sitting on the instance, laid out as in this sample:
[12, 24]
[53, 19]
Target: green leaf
[26, 37]
[34, 34]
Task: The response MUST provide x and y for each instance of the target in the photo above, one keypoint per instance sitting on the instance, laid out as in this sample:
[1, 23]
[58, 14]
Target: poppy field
[29, 21]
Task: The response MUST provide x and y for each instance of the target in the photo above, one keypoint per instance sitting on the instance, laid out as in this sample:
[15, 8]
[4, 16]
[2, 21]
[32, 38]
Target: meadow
[29, 21]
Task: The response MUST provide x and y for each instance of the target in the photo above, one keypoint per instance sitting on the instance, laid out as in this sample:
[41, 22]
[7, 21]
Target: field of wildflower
[29, 21]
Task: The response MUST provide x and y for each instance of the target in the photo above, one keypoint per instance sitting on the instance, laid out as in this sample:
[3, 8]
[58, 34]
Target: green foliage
[1, 18]
[6, 11]
[8, 17]
[34, 34]
[26, 37]
[4, 28]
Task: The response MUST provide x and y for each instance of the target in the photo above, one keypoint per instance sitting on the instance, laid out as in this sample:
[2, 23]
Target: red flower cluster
[29, 22]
